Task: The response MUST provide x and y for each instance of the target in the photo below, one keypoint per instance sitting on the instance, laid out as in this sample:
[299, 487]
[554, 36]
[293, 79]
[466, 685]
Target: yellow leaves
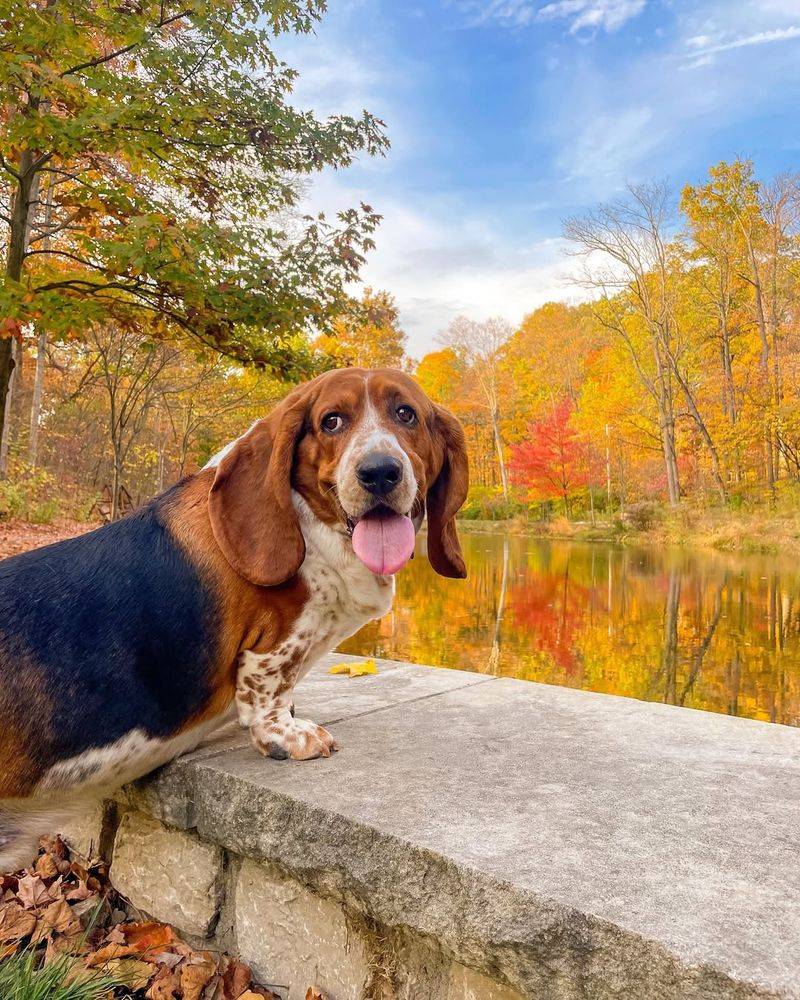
[360, 668]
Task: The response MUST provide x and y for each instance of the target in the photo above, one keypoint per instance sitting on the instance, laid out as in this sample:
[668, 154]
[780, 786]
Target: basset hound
[122, 648]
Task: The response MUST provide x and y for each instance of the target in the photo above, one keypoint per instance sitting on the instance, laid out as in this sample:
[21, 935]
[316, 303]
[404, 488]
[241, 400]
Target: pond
[702, 629]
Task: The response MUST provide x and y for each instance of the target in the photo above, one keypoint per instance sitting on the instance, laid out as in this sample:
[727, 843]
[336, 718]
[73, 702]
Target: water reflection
[706, 630]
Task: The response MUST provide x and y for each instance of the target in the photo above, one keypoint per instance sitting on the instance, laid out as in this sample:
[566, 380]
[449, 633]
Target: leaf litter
[60, 908]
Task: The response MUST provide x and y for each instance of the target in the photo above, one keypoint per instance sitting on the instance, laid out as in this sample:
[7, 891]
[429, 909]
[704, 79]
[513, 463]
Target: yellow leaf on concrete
[359, 669]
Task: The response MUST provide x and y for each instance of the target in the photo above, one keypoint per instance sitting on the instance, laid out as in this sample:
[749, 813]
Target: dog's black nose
[379, 473]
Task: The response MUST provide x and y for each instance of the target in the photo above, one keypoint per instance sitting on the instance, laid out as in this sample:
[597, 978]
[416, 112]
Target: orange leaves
[10, 328]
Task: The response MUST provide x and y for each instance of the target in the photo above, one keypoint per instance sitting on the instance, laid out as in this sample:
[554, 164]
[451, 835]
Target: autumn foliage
[553, 461]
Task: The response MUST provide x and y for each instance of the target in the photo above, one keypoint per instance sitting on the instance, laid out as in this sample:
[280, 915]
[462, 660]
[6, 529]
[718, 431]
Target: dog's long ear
[250, 504]
[446, 495]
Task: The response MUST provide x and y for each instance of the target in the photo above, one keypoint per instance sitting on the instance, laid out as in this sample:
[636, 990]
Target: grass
[23, 977]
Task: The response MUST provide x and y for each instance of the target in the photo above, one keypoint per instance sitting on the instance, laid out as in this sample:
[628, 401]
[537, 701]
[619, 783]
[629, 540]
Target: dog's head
[368, 452]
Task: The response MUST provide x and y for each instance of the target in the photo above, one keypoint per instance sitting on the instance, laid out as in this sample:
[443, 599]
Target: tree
[640, 269]
[174, 152]
[554, 461]
[480, 345]
[367, 336]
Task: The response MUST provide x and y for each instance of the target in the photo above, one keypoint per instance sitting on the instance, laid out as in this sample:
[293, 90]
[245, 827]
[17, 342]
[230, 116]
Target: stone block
[466, 984]
[171, 875]
[294, 939]
[82, 831]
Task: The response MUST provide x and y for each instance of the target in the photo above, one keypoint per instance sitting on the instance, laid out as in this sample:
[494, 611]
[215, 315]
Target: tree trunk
[670, 462]
[5, 435]
[38, 384]
[36, 401]
[115, 489]
[17, 241]
[498, 443]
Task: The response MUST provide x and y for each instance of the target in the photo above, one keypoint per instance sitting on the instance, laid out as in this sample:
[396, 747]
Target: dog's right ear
[445, 497]
[250, 503]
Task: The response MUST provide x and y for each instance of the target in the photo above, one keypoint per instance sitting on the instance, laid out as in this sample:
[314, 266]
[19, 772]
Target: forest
[164, 286]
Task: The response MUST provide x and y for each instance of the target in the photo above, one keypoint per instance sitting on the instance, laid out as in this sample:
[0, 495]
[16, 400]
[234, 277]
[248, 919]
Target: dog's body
[122, 648]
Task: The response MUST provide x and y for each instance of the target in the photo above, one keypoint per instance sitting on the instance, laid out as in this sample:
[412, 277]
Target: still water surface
[702, 629]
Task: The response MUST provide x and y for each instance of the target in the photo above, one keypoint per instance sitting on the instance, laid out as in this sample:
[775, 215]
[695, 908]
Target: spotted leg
[264, 688]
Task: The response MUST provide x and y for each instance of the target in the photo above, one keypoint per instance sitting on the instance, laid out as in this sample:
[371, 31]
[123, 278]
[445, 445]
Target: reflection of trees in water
[706, 630]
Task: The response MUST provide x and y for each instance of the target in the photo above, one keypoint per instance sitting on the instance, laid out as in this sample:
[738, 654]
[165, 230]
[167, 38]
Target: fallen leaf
[131, 972]
[15, 922]
[315, 994]
[109, 953]
[236, 979]
[148, 936]
[60, 917]
[46, 866]
[194, 976]
[167, 958]
[32, 891]
[358, 669]
[164, 986]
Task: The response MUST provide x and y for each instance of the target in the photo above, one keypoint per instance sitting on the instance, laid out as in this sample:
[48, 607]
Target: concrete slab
[579, 845]
[328, 698]
[322, 697]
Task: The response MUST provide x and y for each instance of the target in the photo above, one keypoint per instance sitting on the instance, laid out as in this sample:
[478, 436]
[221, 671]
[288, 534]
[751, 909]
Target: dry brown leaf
[46, 866]
[109, 953]
[15, 922]
[60, 917]
[32, 891]
[194, 976]
[168, 958]
[236, 979]
[132, 972]
[164, 986]
[313, 993]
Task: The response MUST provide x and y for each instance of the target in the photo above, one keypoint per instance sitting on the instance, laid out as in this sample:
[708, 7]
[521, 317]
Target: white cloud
[440, 261]
[582, 15]
[707, 45]
[593, 14]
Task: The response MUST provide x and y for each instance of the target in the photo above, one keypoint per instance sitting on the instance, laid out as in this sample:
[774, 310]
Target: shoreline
[720, 531]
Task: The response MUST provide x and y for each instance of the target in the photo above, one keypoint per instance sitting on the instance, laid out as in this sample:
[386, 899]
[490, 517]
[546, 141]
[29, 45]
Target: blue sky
[506, 116]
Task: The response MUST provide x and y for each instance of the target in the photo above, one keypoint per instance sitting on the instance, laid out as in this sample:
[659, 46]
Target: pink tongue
[384, 542]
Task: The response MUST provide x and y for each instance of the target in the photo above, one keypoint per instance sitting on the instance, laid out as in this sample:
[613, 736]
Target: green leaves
[175, 157]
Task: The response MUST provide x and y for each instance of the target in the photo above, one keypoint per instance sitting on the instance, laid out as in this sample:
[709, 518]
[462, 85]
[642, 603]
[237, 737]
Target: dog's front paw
[299, 739]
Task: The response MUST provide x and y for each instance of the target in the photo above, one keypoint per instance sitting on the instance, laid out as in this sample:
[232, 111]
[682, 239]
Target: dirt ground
[19, 536]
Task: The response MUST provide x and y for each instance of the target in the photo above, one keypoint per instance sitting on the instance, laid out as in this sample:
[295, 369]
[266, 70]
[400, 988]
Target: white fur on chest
[343, 594]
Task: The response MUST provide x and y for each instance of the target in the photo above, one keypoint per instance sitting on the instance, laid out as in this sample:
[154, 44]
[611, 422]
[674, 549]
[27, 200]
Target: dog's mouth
[382, 539]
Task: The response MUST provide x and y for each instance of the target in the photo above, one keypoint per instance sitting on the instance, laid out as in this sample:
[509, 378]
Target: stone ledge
[558, 843]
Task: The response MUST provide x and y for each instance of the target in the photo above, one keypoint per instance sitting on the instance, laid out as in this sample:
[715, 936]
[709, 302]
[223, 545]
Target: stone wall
[480, 838]
[290, 936]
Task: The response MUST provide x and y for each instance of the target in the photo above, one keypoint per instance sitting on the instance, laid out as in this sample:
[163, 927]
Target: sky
[508, 116]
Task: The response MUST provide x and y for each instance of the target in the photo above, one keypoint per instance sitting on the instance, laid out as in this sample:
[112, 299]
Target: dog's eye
[332, 423]
[405, 414]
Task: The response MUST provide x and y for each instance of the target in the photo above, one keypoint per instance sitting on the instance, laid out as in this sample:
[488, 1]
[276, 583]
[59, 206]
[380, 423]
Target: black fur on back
[119, 629]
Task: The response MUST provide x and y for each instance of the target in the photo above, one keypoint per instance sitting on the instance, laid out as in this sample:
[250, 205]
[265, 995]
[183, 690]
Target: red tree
[555, 460]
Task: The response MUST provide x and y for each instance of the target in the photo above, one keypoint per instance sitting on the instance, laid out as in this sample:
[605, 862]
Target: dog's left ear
[445, 497]
[250, 503]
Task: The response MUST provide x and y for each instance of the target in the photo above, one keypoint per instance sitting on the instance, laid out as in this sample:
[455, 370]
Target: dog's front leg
[264, 700]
